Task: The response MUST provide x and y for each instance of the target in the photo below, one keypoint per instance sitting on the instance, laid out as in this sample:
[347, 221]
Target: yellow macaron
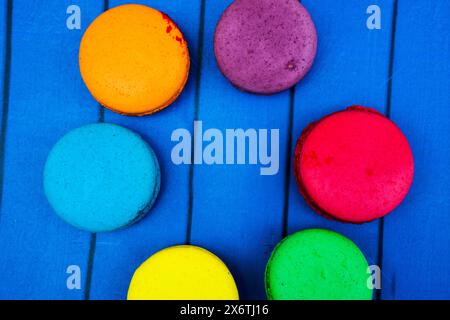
[183, 273]
[134, 60]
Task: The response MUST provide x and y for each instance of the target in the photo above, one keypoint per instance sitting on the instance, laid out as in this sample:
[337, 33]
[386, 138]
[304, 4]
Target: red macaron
[354, 165]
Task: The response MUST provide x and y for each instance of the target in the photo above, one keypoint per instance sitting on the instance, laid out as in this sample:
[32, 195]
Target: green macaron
[317, 264]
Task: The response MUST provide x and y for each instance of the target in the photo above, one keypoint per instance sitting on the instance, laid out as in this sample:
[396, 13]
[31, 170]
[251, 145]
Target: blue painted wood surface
[416, 254]
[46, 100]
[237, 213]
[118, 254]
[3, 51]
[402, 70]
[351, 68]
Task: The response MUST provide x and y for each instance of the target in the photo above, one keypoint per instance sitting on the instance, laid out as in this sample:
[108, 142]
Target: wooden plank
[237, 213]
[416, 238]
[118, 254]
[46, 100]
[351, 69]
[3, 52]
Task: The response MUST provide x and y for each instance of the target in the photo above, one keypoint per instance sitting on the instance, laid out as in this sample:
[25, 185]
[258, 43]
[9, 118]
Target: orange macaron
[134, 60]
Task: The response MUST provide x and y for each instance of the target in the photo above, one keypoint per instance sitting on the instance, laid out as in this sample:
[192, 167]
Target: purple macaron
[265, 46]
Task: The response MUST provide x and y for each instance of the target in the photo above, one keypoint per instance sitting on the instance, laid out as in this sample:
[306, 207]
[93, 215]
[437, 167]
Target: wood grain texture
[351, 69]
[46, 100]
[118, 254]
[237, 213]
[3, 52]
[416, 238]
[5, 68]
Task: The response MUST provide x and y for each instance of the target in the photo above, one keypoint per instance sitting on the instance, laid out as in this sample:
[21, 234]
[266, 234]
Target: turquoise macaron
[101, 177]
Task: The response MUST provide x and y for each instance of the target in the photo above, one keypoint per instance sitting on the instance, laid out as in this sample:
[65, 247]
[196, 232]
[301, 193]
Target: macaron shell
[183, 273]
[355, 165]
[101, 177]
[317, 264]
[265, 46]
[134, 60]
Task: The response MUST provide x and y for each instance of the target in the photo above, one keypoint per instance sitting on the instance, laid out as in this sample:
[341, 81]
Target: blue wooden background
[403, 70]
